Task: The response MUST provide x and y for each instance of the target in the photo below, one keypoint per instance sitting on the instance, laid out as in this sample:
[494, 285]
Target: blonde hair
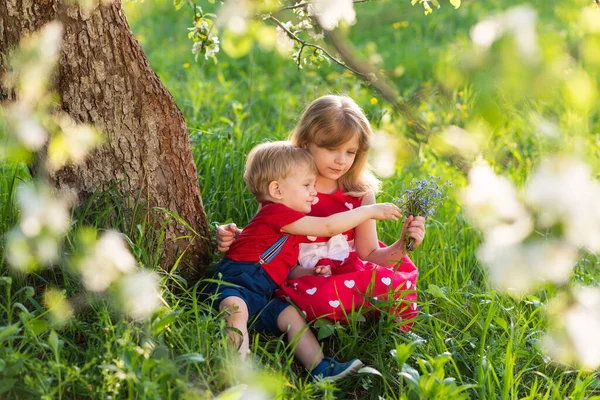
[330, 121]
[272, 161]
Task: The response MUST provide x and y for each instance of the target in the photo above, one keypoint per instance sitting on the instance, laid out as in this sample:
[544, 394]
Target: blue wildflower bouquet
[422, 200]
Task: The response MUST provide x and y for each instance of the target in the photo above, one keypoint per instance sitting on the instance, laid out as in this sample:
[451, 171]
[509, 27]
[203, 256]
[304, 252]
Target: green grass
[468, 340]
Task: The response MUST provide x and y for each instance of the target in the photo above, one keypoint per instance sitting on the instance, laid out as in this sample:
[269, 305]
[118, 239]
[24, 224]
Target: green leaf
[8, 331]
[7, 384]
[455, 3]
[162, 323]
[191, 358]
[369, 370]
[325, 331]
[53, 341]
[37, 326]
[436, 291]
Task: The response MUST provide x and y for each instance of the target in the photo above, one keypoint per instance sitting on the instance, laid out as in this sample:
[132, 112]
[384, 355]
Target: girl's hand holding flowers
[413, 232]
[419, 203]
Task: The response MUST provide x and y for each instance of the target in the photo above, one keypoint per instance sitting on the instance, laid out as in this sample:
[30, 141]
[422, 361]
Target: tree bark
[105, 79]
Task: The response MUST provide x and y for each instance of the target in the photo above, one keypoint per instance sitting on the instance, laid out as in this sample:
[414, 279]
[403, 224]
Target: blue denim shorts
[255, 287]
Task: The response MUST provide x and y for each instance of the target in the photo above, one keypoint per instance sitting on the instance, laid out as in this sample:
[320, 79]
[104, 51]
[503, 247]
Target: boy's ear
[275, 190]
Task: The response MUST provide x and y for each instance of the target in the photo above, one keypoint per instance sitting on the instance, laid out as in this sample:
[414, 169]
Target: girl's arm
[341, 222]
[367, 243]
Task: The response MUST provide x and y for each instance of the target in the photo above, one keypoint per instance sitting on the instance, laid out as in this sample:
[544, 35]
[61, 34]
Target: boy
[282, 178]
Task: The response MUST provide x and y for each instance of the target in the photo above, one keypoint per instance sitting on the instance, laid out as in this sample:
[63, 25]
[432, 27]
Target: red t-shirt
[261, 233]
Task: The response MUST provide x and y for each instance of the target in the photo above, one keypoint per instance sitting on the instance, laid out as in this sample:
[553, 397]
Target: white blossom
[109, 260]
[575, 338]
[384, 154]
[519, 21]
[42, 210]
[140, 293]
[562, 191]
[213, 48]
[331, 12]
[492, 204]
[519, 268]
[285, 44]
[234, 15]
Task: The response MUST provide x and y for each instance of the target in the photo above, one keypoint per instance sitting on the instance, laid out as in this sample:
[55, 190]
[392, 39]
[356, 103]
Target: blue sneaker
[331, 370]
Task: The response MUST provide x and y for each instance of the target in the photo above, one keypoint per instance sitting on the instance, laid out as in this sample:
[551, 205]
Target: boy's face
[297, 191]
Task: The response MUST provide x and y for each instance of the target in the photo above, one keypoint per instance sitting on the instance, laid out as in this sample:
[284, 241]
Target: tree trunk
[105, 79]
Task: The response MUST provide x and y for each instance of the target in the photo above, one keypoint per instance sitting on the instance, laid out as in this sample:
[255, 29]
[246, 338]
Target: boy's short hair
[272, 161]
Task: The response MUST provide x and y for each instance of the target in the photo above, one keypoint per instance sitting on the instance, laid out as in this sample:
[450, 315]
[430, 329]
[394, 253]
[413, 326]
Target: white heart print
[349, 205]
[334, 303]
[349, 284]
[311, 291]
[311, 238]
[386, 281]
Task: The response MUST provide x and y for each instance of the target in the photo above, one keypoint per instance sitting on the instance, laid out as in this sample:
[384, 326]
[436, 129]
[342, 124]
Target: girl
[349, 270]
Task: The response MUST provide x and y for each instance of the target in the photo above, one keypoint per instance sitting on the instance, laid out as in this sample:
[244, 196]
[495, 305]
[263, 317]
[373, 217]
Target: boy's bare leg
[237, 318]
[307, 349]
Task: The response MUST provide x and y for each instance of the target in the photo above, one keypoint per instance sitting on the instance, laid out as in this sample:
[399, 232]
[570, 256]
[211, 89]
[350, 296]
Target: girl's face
[332, 163]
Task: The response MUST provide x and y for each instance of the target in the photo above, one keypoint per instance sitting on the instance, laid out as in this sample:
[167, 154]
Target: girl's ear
[275, 190]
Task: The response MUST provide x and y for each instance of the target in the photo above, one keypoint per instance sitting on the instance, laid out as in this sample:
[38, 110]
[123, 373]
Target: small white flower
[285, 44]
[384, 154]
[140, 293]
[562, 191]
[109, 260]
[212, 48]
[578, 328]
[519, 268]
[518, 21]
[331, 12]
[492, 204]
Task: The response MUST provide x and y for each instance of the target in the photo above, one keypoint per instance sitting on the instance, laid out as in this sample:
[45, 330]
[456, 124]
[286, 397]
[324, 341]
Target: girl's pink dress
[353, 282]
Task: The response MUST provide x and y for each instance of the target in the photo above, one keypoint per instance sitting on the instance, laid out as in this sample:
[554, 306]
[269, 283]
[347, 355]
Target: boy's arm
[341, 222]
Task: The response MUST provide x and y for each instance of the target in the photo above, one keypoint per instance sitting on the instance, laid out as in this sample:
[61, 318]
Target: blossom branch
[304, 43]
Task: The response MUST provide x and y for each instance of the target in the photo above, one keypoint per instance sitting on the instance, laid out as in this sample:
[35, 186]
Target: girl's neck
[326, 186]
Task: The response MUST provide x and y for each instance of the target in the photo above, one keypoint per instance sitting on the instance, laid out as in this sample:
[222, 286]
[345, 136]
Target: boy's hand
[414, 227]
[385, 211]
[226, 234]
[323, 270]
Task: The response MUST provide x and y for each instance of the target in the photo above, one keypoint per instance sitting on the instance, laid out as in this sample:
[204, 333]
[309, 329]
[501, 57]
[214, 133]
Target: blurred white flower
[519, 21]
[575, 337]
[72, 144]
[41, 210]
[109, 260]
[492, 204]
[285, 44]
[19, 254]
[457, 140]
[44, 220]
[562, 191]
[519, 268]
[213, 48]
[331, 12]
[234, 15]
[35, 62]
[383, 154]
[140, 293]
[486, 32]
